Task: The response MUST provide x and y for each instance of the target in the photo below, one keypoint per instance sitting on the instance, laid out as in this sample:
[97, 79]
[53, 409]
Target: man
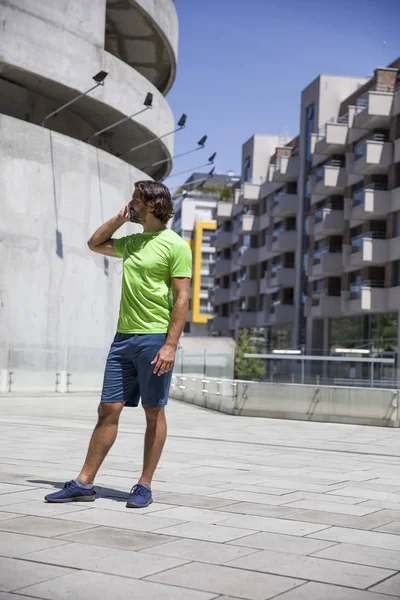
[156, 263]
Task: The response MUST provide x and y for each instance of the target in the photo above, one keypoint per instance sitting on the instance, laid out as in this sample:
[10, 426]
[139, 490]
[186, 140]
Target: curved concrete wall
[54, 49]
[55, 191]
[154, 26]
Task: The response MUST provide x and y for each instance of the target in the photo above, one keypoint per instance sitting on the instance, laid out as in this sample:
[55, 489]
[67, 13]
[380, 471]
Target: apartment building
[194, 220]
[308, 253]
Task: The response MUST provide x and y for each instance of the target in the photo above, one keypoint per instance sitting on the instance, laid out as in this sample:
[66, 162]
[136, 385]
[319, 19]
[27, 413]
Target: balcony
[249, 193]
[287, 168]
[224, 210]
[222, 324]
[373, 110]
[372, 202]
[325, 264]
[327, 222]
[329, 179]
[225, 266]
[250, 223]
[397, 150]
[248, 287]
[284, 205]
[249, 256]
[367, 296]
[324, 305]
[282, 277]
[334, 138]
[366, 250]
[393, 298]
[225, 238]
[249, 319]
[281, 313]
[225, 295]
[373, 156]
[283, 240]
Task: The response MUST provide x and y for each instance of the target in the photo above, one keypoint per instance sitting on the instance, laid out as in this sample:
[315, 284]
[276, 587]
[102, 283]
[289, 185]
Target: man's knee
[109, 412]
[154, 413]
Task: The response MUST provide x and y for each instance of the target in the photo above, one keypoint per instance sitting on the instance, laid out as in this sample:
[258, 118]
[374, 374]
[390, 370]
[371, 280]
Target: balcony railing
[320, 172]
[318, 254]
[359, 195]
[355, 289]
[343, 120]
[360, 149]
[356, 243]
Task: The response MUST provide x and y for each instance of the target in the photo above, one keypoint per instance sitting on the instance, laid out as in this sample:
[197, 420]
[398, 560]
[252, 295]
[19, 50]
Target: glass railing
[359, 194]
[320, 214]
[357, 242]
[355, 289]
[319, 174]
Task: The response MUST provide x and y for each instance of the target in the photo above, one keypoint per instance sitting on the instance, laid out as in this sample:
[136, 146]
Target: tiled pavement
[244, 508]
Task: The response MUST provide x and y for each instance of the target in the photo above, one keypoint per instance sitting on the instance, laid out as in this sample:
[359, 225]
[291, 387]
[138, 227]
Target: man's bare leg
[103, 437]
[154, 440]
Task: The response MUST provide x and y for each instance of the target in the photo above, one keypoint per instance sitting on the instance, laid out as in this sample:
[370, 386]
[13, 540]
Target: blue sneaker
[140, 496]
[71, 492]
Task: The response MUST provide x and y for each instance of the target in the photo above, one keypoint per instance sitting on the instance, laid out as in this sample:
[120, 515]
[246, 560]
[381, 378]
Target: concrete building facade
[194, 220]
[56, 187]
[308, 257]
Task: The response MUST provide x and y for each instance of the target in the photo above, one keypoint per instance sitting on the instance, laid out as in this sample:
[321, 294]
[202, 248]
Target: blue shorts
[129, 373]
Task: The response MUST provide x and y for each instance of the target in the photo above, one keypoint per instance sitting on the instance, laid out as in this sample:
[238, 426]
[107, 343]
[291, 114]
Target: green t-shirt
[150, 261]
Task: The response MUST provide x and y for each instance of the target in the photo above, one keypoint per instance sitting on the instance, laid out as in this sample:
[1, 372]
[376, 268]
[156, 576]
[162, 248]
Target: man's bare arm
[101, 241]
[164, 360]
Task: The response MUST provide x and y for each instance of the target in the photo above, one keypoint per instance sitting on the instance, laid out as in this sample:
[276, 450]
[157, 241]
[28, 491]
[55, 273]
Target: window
[247, 169]
[396, 273]
[396, 232]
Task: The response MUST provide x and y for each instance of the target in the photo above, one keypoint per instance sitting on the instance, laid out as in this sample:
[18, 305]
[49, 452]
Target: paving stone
[326, 506]
[366, 494]
[255, 497]
[360, 538]
[362, 555]
[196, 550]
[205, 531]
[198, 515]
[225, 580]
[129, 519]
[16, 574]
[393, 527]
[311, 568]
[195, 501]
[16, 544]
[7, 488]
[5, 516]
[376, 519]
[272, 525]
[12, 596]
[118, 538]
[282, 543]
[320, 591]
[42, 526]
[44, 509]
[106, 560]
[260, 510]
[92, 586]
[391, 586]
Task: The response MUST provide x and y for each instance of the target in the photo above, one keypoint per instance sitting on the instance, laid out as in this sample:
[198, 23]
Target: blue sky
[242, 65]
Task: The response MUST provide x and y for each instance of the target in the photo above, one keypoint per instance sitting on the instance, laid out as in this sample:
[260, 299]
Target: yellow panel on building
[200, 228]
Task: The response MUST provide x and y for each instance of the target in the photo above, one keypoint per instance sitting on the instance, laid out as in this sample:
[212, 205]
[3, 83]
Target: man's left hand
[164, 359]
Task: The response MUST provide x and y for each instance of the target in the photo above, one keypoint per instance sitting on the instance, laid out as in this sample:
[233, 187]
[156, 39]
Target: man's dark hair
[156, 195]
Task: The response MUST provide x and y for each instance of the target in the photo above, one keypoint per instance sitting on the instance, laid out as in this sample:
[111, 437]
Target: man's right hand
[124, 214]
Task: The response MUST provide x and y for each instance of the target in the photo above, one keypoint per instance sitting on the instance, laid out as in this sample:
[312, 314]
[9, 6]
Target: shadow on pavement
[102, 492]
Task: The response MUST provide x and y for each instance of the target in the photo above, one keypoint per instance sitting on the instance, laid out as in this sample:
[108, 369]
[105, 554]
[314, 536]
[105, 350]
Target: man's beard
[135, 218]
